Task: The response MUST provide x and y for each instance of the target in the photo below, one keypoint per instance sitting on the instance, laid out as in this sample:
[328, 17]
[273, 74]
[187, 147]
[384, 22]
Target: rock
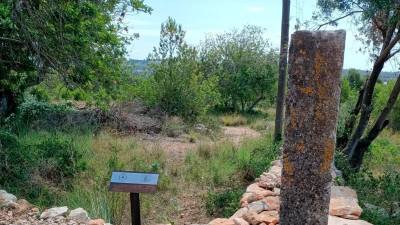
[277, 191]
[257, 206]
[272, 202]
[276, 170]
[269, 180]
[344, 203]
[221, 221]
[333, 220]
[7, 199]
[256, 189]
[22, 206]
[96, 222]
[79, 215]
[201, 128]
[269, 217]
[239, 213]
[54, 212]
[251, 217]
[277, 163]
[240, 221]
[249, 198]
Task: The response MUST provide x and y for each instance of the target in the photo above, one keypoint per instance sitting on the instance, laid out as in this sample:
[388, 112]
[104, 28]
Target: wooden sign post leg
[135, 208]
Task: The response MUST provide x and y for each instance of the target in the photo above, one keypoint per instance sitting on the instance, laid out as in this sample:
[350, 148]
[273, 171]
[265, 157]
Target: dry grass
[233, 120]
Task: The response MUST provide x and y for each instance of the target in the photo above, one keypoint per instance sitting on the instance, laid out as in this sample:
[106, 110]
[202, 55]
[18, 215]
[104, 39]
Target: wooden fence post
[312, 103]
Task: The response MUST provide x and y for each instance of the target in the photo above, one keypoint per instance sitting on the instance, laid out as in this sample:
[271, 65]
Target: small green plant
[174, 127]
[223, 203]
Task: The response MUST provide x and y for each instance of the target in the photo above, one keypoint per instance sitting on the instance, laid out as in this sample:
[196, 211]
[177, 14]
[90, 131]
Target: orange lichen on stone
[300, 147]
[307, 90]
[329, 149]
[288, 166]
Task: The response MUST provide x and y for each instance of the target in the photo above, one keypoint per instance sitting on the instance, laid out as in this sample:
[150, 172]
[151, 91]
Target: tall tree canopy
[78, 40]
[378, 22]
[245, 64]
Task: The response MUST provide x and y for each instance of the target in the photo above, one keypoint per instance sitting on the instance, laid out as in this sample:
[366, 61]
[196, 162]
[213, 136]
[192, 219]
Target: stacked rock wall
[260, 203]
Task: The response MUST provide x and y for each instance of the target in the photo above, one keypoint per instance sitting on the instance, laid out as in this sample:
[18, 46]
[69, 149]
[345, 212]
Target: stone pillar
[312, 103]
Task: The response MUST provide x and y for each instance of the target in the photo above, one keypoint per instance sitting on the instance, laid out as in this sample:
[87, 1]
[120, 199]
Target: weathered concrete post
[312, 102]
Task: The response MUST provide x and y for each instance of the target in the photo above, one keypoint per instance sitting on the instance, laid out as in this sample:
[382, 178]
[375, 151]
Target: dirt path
[188, 199]
[176, 148]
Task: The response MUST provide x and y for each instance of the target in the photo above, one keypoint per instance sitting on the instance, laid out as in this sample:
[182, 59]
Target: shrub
[174, 127]
[38, 115]
[246, 67]
[181, 89]
[35, 165]
[223, 203]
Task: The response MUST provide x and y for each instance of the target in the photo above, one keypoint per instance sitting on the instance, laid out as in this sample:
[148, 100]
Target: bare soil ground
[188, 201]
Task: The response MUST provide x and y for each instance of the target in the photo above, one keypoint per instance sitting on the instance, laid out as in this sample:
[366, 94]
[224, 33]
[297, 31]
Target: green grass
[378, 182]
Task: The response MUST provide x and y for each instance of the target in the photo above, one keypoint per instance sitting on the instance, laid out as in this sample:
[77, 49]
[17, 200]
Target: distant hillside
[140, 65]
[385, 76]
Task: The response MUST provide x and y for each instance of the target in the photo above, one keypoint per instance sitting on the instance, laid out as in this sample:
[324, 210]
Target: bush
[377, 184]
[37, 115]
[35, 165]
[180, 87]
[224, 203]
[246, 67]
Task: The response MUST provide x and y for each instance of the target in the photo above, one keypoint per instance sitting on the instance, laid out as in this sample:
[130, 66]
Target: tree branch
[10, 39]
[339, 18]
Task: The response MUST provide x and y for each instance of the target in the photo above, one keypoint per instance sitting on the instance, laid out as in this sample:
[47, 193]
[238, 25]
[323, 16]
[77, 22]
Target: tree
[78, 40]
[378, 23]
[280, 98]
[180, 87]
[354, 78]
[245, 66]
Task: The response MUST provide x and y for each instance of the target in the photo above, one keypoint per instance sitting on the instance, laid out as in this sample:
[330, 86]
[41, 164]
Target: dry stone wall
[260, 203]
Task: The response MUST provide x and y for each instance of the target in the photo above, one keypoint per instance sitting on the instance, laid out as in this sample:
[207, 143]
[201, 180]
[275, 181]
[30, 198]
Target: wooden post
[135, 208]
[312, 103]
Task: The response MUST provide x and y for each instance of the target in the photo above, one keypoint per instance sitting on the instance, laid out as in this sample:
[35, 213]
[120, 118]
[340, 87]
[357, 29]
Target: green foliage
[180, 87]
[245, 65]
[36, 165]
[39, 115]
[174, 127]
[377, 184]
[381, 96]
[215, 165]
[354, 78]
[383, 192]
[224, 203]
[80, 42]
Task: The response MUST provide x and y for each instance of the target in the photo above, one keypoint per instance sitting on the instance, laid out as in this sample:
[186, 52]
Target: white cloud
[255, 9]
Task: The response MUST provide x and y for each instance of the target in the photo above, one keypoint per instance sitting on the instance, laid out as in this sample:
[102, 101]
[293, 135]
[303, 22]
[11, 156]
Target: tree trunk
[251, 107]
[351, 121]
[280, 98]
[8, 103]
[312, 107]
[366, 105]
[380, 124]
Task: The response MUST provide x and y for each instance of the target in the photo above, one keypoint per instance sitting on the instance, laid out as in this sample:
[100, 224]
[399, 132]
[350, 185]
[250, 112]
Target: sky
[202, 17]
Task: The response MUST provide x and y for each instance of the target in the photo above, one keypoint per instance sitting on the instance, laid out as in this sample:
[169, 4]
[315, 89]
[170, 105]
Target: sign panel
[133, 182]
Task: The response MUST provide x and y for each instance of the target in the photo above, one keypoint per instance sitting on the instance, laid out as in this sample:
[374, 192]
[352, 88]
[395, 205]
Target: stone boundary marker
[298, 189]
[312, 106]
